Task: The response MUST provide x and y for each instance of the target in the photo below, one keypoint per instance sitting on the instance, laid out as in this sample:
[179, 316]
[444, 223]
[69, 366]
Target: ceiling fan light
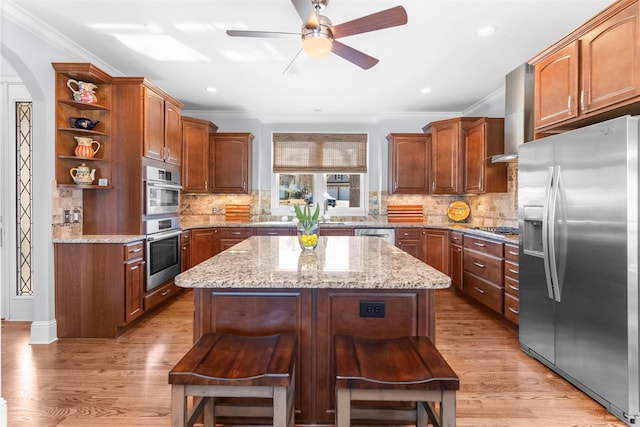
[316, 45]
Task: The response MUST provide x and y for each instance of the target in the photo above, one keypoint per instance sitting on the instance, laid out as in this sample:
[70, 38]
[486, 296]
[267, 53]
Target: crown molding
[486, 102]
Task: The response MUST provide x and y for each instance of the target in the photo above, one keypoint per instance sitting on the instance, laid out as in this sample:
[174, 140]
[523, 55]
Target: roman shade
[320, 152]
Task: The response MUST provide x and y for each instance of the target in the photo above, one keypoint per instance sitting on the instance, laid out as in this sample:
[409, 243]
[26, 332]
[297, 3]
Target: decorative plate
[458, 211]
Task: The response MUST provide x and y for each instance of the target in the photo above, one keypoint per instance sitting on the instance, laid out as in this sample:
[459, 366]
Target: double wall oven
[162, 225]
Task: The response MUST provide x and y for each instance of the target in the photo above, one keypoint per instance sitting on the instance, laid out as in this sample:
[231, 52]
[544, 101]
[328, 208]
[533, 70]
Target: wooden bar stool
[226, 365]
[406, 369]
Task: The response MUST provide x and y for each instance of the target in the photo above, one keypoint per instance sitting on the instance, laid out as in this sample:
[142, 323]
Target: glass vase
[308, 238]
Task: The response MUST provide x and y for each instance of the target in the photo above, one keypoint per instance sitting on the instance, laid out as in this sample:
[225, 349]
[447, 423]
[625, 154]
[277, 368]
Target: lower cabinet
[455, 258]
[205, 243]
[483, 272]
[161, 294]
[231, 236]
[185, 250]
[429, 245]
[99, 288]
[410, 241]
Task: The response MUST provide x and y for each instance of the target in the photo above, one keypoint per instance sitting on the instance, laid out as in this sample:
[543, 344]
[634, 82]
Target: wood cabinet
[98, 288]
[410, 241]
[162, 137]
[447, 154]
[435, 248]
[275, 231]
[483, 271]
[511, 283]
[409, 163]
[160, 295]
[326, 231]
[556, 86]
[195, 154]
[315, 315]
[482, 139]
[185, 250]
[230, 163]
[205, 243]
[591, 74]
[67, 110]
[230, 236]
[455, 258]
[134, 271]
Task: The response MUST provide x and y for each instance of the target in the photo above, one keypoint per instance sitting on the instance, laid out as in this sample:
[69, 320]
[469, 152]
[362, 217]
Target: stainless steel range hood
[518, 112]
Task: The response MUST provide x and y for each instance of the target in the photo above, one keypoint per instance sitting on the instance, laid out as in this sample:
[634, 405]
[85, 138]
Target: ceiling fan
[319, 34]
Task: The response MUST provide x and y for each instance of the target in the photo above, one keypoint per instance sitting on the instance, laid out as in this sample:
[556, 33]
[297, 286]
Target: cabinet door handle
[458, 250]
[135, 267]
[480, 291]
[569, 105]
[515, 288]
[478, 264]
[482, 245]
[513, 310]
[582, 96]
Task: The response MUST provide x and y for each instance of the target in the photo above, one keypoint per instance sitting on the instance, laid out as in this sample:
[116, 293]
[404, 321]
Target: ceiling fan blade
[362, 60]
[376, 21]
[267, 34]
[306, 12]
[296, 63]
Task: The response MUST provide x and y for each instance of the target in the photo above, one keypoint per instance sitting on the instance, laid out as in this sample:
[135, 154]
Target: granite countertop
[337, 263]
[106, 238]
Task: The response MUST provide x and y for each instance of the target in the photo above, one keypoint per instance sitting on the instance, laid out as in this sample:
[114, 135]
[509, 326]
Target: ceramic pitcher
[85, 147]
[83, 91]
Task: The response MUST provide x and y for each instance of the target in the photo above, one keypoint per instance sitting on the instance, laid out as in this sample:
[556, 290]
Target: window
[325, 169]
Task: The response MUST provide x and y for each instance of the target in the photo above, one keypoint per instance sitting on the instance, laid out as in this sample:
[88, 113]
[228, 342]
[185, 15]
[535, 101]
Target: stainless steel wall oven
[162, 191]
[163, 250]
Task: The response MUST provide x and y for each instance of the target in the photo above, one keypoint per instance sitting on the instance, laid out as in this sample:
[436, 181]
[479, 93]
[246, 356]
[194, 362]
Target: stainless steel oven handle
[163, 185]
[163, 235]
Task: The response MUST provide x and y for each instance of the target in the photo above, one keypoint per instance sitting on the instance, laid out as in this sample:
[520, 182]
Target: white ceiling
[438, 48]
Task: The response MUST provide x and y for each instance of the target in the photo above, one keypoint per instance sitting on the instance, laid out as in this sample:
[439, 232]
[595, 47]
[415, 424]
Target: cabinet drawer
[482, 245]
[185, 237]
[483, 291]
[511, 287]
[160, 295]
[133, 251]
[511, 253]
[512, 309]
[455, 237]
[274, 231]
[236, 233]
[511, 270]
[410, 233]
[484, 266]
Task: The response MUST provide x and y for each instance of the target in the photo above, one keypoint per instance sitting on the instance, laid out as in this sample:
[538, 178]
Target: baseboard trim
[44, 332]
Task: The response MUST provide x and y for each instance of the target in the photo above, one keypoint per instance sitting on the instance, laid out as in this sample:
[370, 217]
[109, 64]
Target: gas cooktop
[498, 230]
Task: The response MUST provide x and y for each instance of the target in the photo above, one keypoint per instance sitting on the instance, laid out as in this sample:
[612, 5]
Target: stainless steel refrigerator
[578, 219]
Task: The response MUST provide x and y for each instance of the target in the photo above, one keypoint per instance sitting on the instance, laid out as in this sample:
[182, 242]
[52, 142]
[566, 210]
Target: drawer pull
[482, 245]
[135, 250]
[478, 264]
[515, 288]
[272, 233]
[236, 233]
[165, 292]
[454, 238]
[513, 310]
[480, 291]
[513, 253]
[513, 271]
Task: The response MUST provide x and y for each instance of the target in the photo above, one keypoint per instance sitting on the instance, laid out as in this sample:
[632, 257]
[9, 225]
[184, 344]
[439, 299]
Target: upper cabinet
[83, 126]
[230, 163]
[593, 73]
[446, 154]
[409, 163]
[162, 135]
[482, 139]
[195, 154]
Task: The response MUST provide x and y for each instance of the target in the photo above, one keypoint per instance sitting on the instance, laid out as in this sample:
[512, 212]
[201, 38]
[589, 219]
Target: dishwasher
[388, 234]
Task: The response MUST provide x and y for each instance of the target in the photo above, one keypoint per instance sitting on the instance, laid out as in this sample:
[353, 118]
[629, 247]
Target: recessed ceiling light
[211, 89]
[426, 90]
[486, 31]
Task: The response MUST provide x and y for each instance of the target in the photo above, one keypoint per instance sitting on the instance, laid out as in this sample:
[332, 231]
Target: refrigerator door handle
[545, 233]
[555, 283]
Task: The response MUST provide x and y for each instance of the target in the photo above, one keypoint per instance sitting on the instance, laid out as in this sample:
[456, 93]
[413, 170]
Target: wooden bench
[406, 369]
[225, 365]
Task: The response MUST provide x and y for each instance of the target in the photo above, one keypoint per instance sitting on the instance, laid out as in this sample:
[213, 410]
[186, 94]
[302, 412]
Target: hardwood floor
[123, 382]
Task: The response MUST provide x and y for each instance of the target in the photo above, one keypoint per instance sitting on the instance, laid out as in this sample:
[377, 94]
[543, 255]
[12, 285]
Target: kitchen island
[348, 285]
